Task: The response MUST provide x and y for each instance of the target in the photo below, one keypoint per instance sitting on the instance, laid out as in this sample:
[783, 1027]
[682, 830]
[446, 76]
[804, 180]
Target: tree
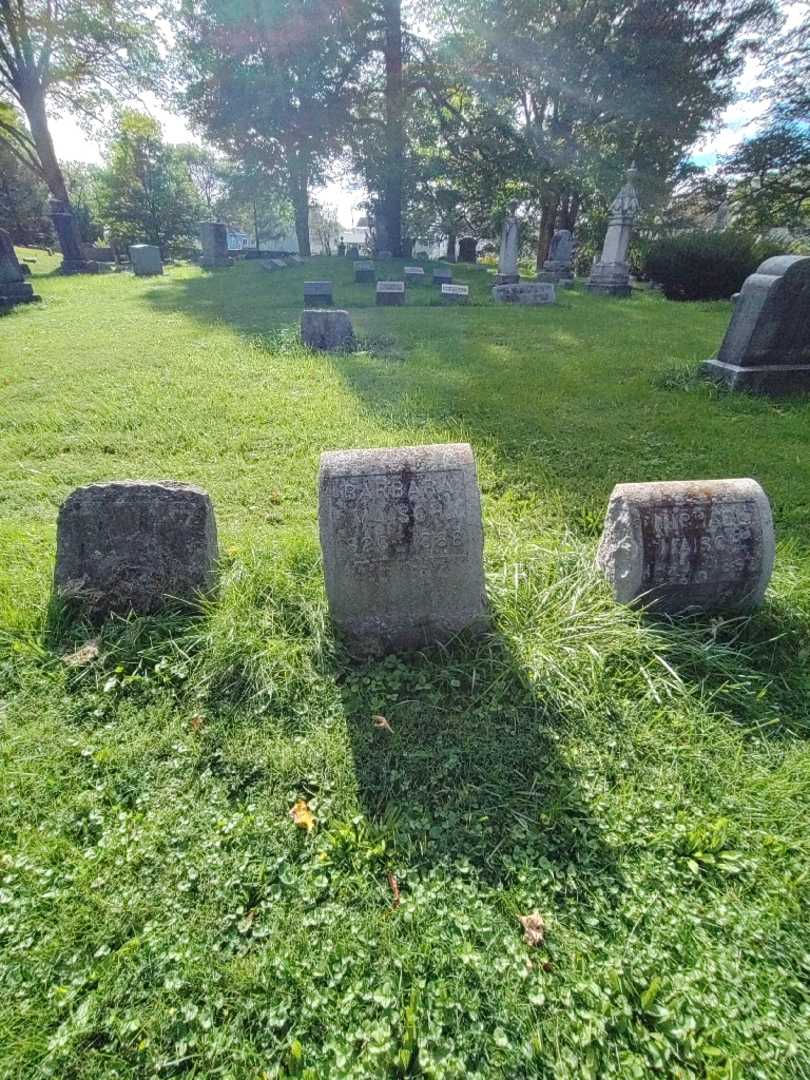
[325, 225]
[66, 54]
[23, 196]
[272, 82]
[207, 171]
[144, 191]
[81, 180]
[253, 200]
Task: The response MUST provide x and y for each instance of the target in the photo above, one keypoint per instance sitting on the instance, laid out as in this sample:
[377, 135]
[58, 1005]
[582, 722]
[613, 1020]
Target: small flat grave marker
[525, 292]
[415, 274]
[455, 294]
[442, 277]
[391, 293]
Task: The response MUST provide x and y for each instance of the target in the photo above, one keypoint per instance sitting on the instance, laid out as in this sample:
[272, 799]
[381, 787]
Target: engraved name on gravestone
[402, 544]
[689, 545]
[455, 294]
[766, 348]
[317, 294]
[391, 293]
[132, 545]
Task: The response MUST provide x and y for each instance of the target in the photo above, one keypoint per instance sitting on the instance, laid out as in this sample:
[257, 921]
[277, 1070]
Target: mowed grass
[643, 785]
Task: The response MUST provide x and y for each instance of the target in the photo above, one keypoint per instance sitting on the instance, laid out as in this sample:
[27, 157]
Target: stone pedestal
[766, 348]
[214, 241]
[402, 544]
[326, 330]
[390, 293]
[145, 259]
[133, 546]
[609, 279]
[527, 292]
[703, 546]
[70, 241]
[317, 294]
[14, 289]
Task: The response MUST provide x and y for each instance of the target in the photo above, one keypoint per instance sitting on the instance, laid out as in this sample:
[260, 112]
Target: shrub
[704, 265]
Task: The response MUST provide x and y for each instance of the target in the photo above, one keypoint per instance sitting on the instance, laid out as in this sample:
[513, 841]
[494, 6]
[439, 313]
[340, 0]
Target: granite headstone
[317, 294]
[390, 293]
[14, 289]
[145, 259]
[327, 330]
[526, 292]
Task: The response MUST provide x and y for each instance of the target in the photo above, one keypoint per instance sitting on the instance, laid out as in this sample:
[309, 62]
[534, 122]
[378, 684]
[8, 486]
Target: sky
[740, 121]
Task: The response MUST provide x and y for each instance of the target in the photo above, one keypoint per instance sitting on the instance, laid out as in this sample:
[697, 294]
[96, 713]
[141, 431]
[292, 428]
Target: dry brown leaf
[394, 884]
[197, 721]
[85, 655]
[382, 723]
[533, 928]
[302, 815]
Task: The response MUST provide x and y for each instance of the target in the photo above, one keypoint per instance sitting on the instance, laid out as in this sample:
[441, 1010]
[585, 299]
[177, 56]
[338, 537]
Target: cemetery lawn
[643, 785]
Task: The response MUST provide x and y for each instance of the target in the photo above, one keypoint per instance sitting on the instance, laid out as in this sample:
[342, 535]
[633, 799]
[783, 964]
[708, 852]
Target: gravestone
[296, 260]
[14, 289]
[145, 259]
[442, 277]
[689, 545]
[317, 294]
[415, 275]
[279, 264]
[610, 274]
[508, 254]
[352, 251]
[385, 254]
[70, 240]
[526, 292]
[390, 293]
[455, 294]
[766, 348]
[402, 545]
[327, 330]
[136, 546]
[467, 249]
[269, 266]
[559, 266]
[214, 240]
[364, 272]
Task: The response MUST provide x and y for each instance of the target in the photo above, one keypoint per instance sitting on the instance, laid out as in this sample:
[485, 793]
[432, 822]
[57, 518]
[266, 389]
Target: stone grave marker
[442, 276]
[766, 348]
[559, 266]
[467, 249]
[390, 293]
[14, 289]
[145, 259]
[402, 544]
[317, 294]
[688, 545]
[525, 292]
[364, 272]
[214, 240]
[610, 273]
[414, 275]
[327, 330]
[509, 249]
[455, 294]
[352, 252]
[135, 546]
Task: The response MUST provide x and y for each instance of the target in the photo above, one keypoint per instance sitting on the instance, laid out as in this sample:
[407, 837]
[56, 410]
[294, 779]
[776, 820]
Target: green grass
[642, 784]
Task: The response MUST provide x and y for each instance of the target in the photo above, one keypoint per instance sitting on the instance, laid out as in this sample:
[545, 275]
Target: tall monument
[70, 241]
[610, 274]
[508, 255]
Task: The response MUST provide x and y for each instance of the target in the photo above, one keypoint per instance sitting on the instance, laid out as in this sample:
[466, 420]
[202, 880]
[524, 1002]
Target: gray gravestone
[391, 293]
[135, 546]
[527, 292]
[559, 266]
[767, 345]
[145, 259]
[442, 277]
[402, 545]
[467, 249]
[455, 294]
[688, 545]
[70, 240]
[14, 289]
[509, 249]
[327, 330]
[364, 272]
[214, 240]
[610, 273]
[317, 294]
[353, 252]
[415, 275]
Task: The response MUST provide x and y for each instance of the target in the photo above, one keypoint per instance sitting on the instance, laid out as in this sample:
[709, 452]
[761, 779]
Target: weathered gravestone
[317, 294]
[414, 275]
[526, 292]
[364, 272]
[70, 240]
[326, 330]
[14, 289]
[442, 276]
[455, 294]
[467, 249]
[145, 259]
[352, 251]
[278, 264]
[508, 253]
[610, 274]
[559, 266]
[402, 545]
[688, 545]
[214, 240]
[767, 345]
[390, 293]
[135, 546]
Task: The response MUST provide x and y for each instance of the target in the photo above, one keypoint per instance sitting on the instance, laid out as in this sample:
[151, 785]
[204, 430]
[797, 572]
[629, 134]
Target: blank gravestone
[145, 259]
[767, 345]
[390, 293]
[134, 546]
[327, 330]
[692, 545]
[402, 545]
[214, 240]
[317, 294]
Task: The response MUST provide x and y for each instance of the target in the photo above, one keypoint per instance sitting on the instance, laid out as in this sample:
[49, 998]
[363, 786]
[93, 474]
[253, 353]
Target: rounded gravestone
[691, 545]
[326, 329]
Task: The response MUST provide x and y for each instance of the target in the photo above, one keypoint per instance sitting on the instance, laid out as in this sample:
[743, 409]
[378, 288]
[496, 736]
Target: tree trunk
[569, 211]
[394, 108]
[32, 98]
[451, 247]
[301, 208]
[548, 217]
[256, 224]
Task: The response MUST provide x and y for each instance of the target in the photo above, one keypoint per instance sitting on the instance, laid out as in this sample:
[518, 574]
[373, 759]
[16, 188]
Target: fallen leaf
[392, 881]
[533, 928]
[197, 721]
[381, 722]
[87, 653]
[303, 816]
